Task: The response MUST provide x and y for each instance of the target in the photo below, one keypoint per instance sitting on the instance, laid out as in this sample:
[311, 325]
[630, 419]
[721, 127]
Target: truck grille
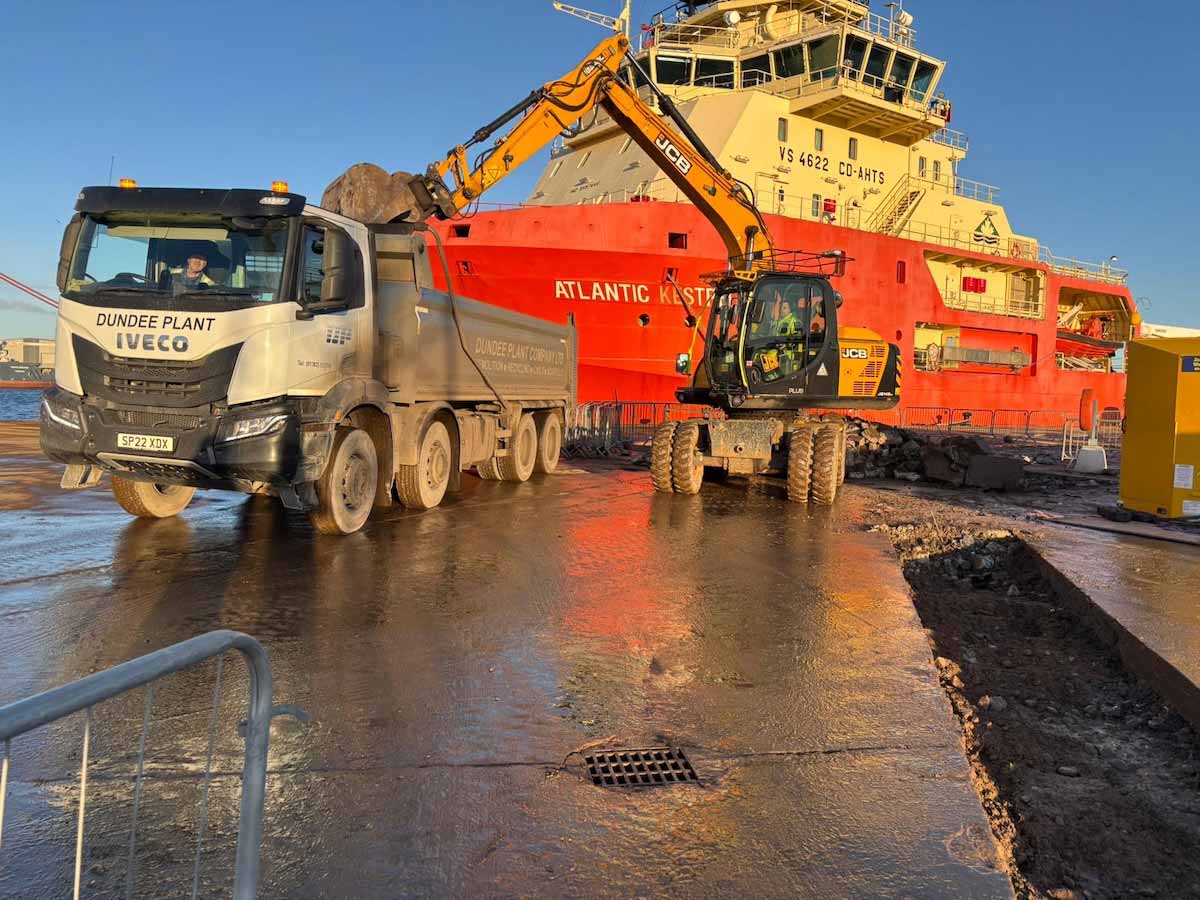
[155, 382]
[144, 419]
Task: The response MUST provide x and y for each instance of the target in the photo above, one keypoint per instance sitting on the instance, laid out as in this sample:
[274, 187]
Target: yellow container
[1160, 456]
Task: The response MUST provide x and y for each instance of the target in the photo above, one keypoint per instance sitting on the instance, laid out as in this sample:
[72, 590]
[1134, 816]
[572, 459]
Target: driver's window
[313, 274]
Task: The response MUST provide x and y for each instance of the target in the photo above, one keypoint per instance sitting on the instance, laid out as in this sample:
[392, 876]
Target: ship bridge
[835, 61]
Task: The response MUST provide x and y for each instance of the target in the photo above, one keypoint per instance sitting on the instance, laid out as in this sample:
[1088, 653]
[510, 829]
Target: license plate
[153, 442]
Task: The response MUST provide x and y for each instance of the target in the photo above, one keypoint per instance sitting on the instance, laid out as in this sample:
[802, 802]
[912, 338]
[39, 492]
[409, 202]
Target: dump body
[422, 356]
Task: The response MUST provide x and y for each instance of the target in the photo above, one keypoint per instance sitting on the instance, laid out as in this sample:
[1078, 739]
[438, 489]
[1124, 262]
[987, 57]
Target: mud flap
[79, 476]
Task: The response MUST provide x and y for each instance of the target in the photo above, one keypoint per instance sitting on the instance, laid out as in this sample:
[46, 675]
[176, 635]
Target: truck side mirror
[338, 266]
[683, 363]
[67, 250]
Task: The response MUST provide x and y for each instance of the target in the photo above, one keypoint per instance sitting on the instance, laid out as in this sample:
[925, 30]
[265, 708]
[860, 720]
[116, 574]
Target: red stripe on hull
[608, 266]
[27, 385]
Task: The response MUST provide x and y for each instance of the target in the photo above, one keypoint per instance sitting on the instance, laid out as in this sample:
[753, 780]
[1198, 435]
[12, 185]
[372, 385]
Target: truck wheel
[825, 465]
[151, 501]
[800, 464]
[662, 448]
[549, 442]
[424, 485]
[346, 491]
[687, 462]
[522, 452]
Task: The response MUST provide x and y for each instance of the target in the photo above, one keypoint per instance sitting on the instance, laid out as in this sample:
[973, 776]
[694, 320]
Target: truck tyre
[522, 452]
[489, 469]
[424, 485]
[800, 464]
[825, 465]
[346, 491]
[151, 501]
[687, 462]
[549, 442]
[662, 449]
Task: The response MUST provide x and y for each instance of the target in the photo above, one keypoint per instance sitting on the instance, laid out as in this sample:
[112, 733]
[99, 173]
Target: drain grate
[639, 768]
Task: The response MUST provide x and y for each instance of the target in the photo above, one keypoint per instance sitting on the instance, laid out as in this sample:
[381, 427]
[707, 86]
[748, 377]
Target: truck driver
[192, 275]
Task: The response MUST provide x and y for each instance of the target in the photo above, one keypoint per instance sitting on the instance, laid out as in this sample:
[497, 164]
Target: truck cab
[247, 340]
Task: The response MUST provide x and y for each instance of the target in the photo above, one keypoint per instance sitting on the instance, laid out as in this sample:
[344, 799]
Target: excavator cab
[773, 339]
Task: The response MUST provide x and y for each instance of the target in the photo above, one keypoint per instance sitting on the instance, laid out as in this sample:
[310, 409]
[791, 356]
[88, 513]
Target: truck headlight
[252, 426]
[65, 416]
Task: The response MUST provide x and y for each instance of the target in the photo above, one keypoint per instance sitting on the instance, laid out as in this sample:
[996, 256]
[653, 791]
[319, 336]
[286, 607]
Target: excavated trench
[1091, 781]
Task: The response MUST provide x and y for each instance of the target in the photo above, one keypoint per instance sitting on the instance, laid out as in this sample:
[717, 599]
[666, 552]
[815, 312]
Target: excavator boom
[452, 184]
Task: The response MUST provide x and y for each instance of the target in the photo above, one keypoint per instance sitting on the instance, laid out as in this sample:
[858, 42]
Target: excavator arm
[452, 184]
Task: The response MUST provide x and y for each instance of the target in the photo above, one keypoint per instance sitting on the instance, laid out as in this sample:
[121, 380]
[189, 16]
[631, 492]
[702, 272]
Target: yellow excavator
[773, 347]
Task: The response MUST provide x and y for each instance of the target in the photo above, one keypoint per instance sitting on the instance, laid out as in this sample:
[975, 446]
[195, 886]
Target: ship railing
[682, 36]
[1104, 272]
[46, 712]
[850, 79]
[948, 137]
[792, 17]
[975, 190]
[1016, 307]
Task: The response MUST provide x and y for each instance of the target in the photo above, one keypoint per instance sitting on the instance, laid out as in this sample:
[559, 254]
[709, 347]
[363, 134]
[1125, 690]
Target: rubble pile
[882, 451]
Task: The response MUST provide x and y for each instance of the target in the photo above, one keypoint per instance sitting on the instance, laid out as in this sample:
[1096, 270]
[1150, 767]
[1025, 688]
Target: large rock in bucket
[369, 194]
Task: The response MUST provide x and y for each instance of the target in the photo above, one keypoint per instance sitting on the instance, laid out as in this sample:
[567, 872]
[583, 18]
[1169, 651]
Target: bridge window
[877, 66]
[639, 79]
[756, 70]
[856, 55]
[923, 80]
[823, 59]
[902, 70]
[783, 131]
[937, 170]
[853, 148]
[819, 139]
[789, 61]
[714, 73]
[673, 69]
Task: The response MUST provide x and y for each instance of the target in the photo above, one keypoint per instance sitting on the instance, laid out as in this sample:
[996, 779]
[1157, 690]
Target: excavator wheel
[662, 448]
[687, 462]
[825, 465]
[800, 463]
[841, 455]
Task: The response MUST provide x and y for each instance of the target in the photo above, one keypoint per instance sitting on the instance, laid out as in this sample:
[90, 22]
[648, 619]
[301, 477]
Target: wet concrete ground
[1149, 589]
[452, 661]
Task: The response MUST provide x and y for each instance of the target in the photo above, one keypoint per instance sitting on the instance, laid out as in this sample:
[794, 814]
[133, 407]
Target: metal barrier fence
[28, 715]
[1031, 423]
[602, 429]
[1110, 434]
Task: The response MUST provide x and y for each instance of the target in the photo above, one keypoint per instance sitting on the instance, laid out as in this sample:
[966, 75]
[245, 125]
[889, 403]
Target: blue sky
[1081, 112]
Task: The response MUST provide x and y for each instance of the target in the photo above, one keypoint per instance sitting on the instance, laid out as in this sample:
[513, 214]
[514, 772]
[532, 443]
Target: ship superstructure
[836, 120]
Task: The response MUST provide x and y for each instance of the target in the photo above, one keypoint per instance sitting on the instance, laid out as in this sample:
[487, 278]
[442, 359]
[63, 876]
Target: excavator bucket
[369, 194]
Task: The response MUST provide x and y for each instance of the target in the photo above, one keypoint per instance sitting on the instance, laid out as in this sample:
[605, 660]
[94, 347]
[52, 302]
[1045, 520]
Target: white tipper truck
[246, 340]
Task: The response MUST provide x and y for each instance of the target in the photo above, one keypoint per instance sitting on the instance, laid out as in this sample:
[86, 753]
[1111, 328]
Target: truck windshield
[209, 263]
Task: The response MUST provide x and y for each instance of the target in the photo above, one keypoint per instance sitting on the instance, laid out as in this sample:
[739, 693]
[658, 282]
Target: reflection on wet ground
[453, 659]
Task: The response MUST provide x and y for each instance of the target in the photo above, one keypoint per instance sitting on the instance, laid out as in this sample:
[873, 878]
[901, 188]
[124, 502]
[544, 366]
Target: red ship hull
[26, 385]
[610, 266]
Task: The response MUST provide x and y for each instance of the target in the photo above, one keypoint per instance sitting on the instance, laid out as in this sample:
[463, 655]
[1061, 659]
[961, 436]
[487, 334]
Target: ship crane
[773, 347]
[26, 289]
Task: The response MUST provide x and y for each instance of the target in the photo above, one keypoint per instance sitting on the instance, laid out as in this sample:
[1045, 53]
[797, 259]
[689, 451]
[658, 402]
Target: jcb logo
[673, 153]
[593, 65]
[855, 353]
